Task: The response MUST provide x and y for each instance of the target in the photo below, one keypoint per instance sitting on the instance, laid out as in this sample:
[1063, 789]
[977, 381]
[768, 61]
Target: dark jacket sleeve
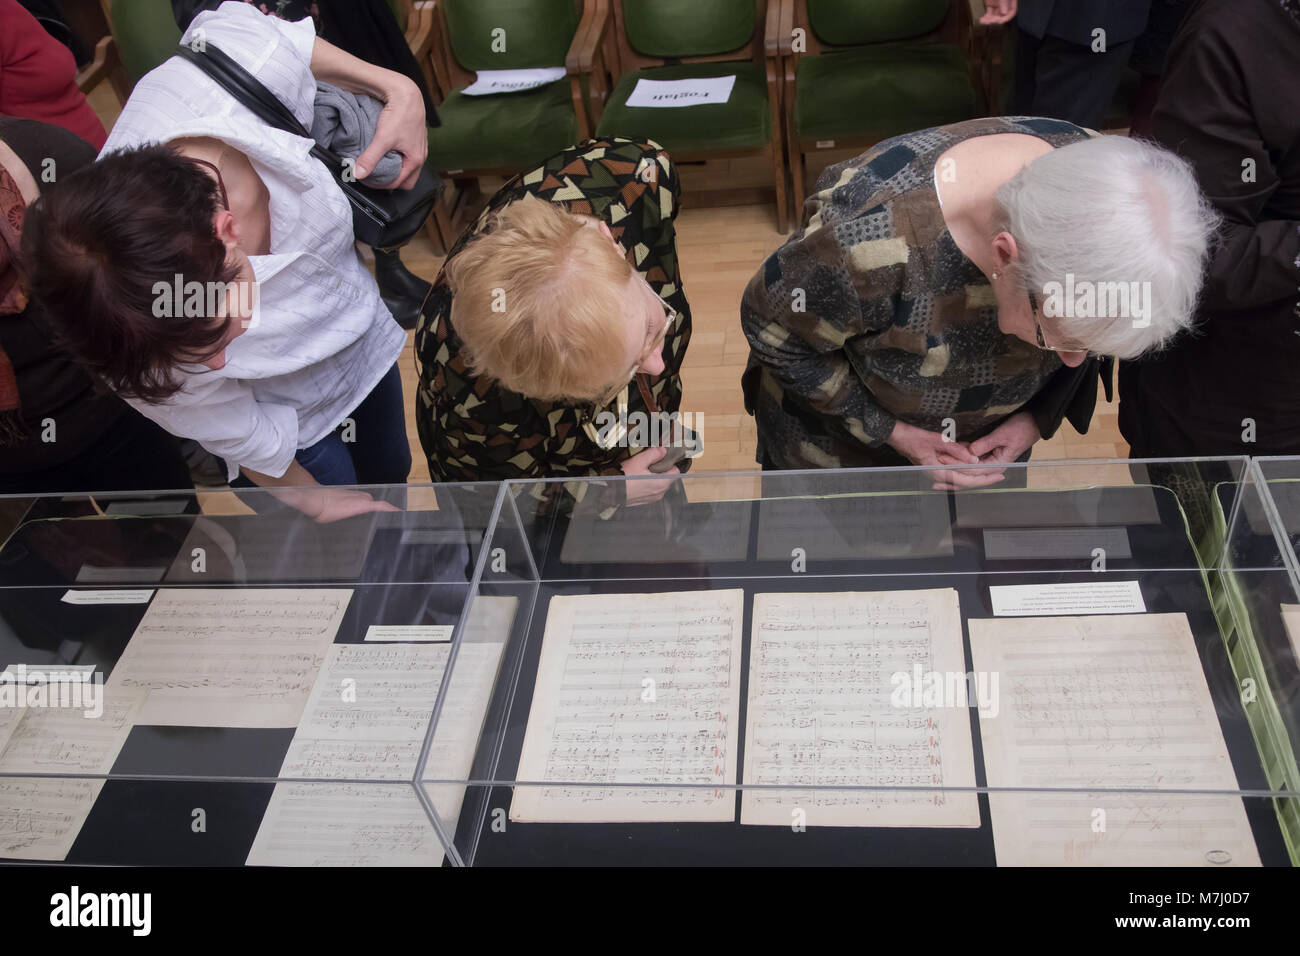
[1071, 393]
[1211, 110]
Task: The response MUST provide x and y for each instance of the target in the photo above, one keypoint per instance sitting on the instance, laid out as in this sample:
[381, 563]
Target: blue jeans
[378, 454]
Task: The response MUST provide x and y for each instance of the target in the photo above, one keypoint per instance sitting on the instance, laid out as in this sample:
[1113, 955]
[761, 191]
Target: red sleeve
[38, 77]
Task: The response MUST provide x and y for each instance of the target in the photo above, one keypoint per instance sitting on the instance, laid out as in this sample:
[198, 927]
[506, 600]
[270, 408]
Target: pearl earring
[993, 275]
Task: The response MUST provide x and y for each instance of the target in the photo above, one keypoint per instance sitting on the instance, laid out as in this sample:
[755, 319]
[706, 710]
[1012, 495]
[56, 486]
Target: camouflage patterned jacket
[872, 314]
[474, 429]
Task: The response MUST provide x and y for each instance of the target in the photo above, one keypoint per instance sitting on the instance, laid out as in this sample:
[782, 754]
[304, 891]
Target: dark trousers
[1066, 81]
[379, 453]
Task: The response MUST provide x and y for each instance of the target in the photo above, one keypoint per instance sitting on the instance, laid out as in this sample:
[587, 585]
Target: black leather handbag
[383, 218]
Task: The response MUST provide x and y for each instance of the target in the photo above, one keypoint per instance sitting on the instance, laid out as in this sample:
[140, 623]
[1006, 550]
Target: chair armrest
[439, 52]
[106, 59]
[772, 39]
[419, 29]
[581, 57]
[785, 29]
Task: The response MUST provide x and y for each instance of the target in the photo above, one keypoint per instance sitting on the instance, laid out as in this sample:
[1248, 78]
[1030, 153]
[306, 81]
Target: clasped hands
[1002, 446]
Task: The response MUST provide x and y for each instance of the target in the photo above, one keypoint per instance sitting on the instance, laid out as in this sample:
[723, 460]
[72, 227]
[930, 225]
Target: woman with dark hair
[205, 269]
[58, 433]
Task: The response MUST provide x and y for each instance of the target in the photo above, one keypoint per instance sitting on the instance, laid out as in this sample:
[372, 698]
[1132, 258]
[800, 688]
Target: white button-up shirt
[320, 337]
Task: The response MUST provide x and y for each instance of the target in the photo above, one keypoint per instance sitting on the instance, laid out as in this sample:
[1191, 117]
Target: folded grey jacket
[346, 123]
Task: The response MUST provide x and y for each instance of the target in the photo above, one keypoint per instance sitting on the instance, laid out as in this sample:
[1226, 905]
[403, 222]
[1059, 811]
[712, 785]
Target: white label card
[512, 81]
[108, 597]
[409, 632]
[1102, 597]
[706, 89]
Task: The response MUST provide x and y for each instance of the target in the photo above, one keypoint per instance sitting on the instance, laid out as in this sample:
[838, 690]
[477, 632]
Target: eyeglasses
[658, 343]
[1038, 331]
[225, 201]
[619, 394]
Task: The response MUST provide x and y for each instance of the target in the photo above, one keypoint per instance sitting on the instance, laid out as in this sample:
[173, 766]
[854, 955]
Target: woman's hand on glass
[298, 489]
[335, 504]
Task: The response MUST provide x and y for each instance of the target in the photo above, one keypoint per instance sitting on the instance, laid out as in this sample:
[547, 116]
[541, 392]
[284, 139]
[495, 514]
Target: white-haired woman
[955, 293]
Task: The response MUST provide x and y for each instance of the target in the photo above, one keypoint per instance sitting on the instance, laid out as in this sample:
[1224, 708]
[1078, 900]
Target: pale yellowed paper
[490, 619]
[345, 824]
[370, 710]
[1112, 703]
[1291, 620]
[366, 719]
[41, 817]
[634, 689]
[9, 718]
[458, 726]
[831, 705]
[66, 740]
[230, 657]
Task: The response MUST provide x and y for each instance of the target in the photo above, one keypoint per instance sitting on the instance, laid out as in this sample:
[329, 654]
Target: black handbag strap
[246, 89]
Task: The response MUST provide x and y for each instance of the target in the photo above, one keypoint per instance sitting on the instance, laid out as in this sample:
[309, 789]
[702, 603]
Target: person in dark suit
[1070, 55]
[1230, 104]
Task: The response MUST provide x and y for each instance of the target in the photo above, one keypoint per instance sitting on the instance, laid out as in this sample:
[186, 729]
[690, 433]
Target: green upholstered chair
[690, 39]
[859, 71]
[144, 33]
[504, 133]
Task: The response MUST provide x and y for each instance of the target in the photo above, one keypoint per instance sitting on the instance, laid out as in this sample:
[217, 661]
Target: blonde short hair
[539, 301]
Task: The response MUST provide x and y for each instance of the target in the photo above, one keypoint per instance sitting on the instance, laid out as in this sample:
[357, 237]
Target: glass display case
[869, 667]
[1084, 662]
[1279, 648]
[1282, 477]
[215, 678]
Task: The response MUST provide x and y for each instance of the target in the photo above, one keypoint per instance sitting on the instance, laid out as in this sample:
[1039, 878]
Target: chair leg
[446, 215]
[796, 178]
[434, 233]
[782, 200]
